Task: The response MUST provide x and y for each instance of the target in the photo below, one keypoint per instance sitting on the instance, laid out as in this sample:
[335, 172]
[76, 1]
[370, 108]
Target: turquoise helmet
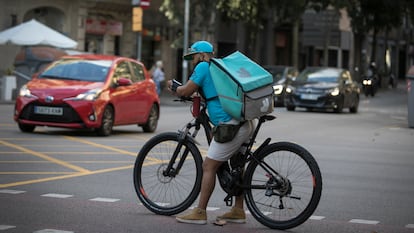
[198, 47]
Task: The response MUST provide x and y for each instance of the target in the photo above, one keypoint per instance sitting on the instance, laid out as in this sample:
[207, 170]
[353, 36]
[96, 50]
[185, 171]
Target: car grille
[69, 115]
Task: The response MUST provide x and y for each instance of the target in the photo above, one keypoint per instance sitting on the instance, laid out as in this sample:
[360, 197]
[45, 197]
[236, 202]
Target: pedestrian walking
[158, 76]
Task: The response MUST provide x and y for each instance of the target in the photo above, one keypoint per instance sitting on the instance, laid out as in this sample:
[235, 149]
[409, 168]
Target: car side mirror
[123, 82]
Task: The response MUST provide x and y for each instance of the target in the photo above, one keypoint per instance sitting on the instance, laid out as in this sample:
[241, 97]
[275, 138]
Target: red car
[89, 91]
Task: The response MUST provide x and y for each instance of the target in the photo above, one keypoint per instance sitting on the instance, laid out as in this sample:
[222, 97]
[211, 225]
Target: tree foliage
[378, 15]
[367, 16]
[202, 15]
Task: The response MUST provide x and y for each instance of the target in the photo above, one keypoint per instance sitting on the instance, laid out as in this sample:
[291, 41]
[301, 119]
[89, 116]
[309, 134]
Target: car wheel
[107, 122]
[354, 108]
[26, 128]
[152, 122]
[290, 108]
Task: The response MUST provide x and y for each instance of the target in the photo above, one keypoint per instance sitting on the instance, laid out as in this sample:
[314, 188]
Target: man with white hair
[158, 76]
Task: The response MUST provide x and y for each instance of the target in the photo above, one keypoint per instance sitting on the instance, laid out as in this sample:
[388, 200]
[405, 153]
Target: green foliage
[376, 15]
[171, 11]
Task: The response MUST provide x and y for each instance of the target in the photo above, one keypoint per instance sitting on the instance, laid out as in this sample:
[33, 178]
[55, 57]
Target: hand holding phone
[174, 85]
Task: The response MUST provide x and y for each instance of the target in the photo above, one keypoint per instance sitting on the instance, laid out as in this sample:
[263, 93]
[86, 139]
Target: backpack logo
[243, 73]
[265, 105]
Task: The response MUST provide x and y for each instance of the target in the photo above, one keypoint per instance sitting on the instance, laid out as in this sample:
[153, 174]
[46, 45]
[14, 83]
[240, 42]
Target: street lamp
[185, 45]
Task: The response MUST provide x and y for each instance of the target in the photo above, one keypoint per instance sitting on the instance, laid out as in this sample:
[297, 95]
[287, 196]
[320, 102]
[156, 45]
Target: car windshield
[78, 69]
[322, 75]
[276, 72]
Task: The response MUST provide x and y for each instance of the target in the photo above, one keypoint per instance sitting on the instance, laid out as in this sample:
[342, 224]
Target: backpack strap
[211, 98]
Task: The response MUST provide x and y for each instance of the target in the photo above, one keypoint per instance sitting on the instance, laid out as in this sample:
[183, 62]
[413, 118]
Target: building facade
[105, 26]
[98, 26]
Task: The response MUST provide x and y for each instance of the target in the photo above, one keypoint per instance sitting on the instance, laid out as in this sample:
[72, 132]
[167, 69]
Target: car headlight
[89, 95]
[334, 92]
[24, 91]
[278, 89]
[367, 82]
[289, 89]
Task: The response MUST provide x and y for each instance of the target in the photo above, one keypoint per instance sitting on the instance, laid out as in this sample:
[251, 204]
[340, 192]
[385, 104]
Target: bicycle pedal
[228, 200]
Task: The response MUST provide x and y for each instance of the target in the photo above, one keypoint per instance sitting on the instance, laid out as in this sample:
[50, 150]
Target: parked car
[89, 91]
[282, 76]
[323, 88]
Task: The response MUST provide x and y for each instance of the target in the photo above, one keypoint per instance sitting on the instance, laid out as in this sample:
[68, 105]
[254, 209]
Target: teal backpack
[244, 88]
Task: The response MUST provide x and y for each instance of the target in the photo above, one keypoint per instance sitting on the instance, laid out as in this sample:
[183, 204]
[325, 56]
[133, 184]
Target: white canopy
[34, 33]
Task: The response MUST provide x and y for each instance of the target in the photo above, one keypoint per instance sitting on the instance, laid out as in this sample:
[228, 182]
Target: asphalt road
[60, 180]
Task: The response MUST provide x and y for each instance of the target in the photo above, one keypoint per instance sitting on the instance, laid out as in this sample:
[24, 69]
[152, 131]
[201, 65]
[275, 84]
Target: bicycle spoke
[287, 198]
[162, 191]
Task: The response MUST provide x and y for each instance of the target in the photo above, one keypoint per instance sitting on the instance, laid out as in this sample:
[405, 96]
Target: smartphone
[175, 82]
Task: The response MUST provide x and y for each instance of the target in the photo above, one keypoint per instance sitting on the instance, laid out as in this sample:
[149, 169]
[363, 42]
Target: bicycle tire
[166, 195]
[300, 168]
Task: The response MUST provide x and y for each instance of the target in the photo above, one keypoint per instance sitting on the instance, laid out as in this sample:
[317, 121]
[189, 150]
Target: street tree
[371, 16]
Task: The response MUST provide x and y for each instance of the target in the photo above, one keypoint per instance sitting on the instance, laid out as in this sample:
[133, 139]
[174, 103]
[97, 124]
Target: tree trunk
[358, 66]
[295, 43]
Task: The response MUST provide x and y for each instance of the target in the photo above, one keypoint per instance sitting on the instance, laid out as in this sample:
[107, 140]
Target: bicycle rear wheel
[289, 200]
[163, 193]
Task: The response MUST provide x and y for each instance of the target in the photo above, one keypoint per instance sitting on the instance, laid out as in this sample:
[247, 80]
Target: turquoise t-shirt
[202, 78]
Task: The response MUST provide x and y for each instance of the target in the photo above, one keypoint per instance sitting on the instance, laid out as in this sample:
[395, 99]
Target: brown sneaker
[236, 215]
[197, 216]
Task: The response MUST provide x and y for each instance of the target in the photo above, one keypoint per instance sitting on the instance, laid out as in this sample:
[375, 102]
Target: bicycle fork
[170, 171]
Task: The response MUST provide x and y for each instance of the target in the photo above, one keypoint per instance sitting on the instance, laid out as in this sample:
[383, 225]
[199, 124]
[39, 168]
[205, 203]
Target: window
[138, 72]
[122, 71]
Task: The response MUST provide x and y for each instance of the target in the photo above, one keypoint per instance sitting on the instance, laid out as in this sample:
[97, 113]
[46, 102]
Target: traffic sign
[137, 19]
[145, 4]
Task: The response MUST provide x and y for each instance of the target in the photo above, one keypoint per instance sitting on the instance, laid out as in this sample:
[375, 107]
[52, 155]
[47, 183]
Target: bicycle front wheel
[162, 192]
[285, 185]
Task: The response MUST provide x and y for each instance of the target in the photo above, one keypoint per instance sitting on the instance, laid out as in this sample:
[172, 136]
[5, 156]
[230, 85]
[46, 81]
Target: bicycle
[282, 183]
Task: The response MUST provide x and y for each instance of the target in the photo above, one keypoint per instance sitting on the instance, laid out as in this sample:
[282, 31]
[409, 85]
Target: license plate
[48, 110]
[309, 96]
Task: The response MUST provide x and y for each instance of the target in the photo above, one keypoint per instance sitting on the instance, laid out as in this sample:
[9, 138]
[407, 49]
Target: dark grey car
[323, 88]
[282, 76]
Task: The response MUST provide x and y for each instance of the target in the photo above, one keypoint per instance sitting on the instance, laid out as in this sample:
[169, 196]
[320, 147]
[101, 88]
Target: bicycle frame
[280, 181]
[204, 121]
[201, 120]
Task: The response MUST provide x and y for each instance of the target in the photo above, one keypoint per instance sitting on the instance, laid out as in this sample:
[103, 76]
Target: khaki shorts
[224, 151]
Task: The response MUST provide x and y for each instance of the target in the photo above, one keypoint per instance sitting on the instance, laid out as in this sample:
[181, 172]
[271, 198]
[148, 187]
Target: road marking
[409, 226]
[313, 217]
[9, 191]
[362, 221]
[45, 157]
[52, 231]
[101, 146]
[56, 195]
[108, 148]
[35, 173]
[65, 176]
[208, 208]
[70, 161]
[102, 199]
[6, 227]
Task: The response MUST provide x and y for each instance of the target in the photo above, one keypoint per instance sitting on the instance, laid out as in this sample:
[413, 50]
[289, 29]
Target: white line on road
[52, 231]
[56, 195]
[102, 199]
[6, 227]
[362, 221]
[313, 217]
[9, 191]
[409, 226]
